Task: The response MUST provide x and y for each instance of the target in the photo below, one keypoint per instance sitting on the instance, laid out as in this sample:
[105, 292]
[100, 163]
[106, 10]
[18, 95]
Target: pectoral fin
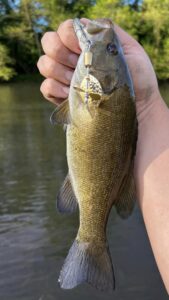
[126, 198]
[61, 114]
[66, 200]
[78, 89]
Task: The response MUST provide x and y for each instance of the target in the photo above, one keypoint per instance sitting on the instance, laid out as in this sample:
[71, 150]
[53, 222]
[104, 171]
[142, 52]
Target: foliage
[123, 14]
[155, 34]
[23, 22]
[147, 21]
[59, 10]
[20, 31]
[6, 69]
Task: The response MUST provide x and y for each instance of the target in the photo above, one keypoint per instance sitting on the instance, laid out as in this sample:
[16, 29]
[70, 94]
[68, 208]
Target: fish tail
[88, 263]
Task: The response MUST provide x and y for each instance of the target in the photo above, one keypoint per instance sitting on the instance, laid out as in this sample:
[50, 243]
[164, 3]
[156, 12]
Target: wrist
[153, 138]
[150, 107]
[152, 116]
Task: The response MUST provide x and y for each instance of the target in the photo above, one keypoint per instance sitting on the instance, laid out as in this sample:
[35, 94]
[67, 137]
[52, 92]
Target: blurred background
[23, 22]
[34, 238]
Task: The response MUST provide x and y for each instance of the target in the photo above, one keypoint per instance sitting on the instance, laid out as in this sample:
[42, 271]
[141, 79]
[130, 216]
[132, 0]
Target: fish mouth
[80, 32]
[84, 32]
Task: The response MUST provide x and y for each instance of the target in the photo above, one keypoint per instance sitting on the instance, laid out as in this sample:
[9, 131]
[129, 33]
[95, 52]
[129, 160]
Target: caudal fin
[85, 263]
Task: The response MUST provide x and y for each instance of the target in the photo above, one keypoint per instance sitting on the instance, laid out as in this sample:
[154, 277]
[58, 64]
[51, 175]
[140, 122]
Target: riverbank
[32, 77]
[37, 78]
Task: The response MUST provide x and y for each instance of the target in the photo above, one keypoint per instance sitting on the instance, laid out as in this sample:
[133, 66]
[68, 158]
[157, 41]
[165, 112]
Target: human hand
[57, 65]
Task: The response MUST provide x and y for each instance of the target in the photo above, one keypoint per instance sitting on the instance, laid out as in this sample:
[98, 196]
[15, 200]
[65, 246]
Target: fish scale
[98, 169]
[101, 134]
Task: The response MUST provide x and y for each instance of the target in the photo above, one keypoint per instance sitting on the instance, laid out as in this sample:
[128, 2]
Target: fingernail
[68, 75]
[66, 90]
[73, 58]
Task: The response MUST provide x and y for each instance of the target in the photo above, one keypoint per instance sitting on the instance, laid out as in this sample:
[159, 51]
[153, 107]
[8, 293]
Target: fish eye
[111, 48]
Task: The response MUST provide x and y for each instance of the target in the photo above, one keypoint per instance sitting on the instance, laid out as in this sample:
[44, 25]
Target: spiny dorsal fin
[66, 200]
[61, 114]
[126, 198]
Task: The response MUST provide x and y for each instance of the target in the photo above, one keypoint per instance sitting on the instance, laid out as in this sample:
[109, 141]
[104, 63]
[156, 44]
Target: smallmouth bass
[101, 134]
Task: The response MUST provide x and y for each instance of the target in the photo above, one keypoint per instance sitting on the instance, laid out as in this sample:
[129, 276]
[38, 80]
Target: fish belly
[97, 152]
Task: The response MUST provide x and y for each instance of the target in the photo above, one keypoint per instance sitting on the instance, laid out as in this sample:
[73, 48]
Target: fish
[101, 136]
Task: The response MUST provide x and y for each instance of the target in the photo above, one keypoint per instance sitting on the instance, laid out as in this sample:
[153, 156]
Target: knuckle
[44, 38]
[39, 63]
[46, 66]
[60, 26]
[51, 44]
[58, 49]
[66, 24]
[48, 86]
[50, 69]
[42, 88]
[45, 87]
[65, 29]
[46, 90]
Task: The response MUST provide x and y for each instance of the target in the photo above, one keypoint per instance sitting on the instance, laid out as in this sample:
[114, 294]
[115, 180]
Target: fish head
[108, 65]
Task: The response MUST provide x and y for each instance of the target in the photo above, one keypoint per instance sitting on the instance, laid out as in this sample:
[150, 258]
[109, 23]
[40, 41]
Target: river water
[34, 238]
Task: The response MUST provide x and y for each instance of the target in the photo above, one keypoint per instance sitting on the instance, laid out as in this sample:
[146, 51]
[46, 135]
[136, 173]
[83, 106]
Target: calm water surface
[34, 238]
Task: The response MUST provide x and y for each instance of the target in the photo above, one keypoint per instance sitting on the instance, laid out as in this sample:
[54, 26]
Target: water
[34, 238]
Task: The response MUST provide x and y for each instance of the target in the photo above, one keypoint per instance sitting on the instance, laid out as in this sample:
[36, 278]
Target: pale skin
[152, 155]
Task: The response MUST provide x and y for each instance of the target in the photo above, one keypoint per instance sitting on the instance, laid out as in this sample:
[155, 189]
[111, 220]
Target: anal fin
[66, 200]
[126, 198]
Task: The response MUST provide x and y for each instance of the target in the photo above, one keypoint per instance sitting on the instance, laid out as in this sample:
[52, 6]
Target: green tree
[155, 34]
[22, 23]
[20, 31]
[59, 10]
[6, 62]
[147, 21]
[120, 12]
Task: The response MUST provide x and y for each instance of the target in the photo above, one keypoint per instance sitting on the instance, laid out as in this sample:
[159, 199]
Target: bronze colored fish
[101, 131]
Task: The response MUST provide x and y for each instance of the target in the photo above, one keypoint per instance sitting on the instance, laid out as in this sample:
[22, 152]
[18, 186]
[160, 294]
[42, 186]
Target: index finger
[68, 37]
